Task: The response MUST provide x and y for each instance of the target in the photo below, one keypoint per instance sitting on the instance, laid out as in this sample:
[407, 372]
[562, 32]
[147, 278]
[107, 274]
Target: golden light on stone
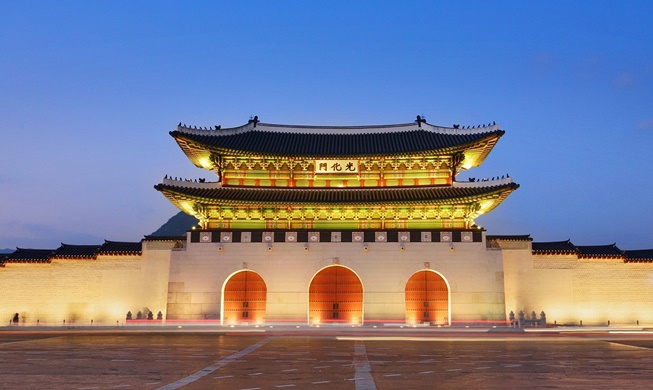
[392, 240]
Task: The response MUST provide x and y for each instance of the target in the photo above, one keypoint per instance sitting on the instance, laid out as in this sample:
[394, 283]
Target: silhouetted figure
[15, 320]
[129, 316]
[150, 316]
[159, 315]
[139, 316]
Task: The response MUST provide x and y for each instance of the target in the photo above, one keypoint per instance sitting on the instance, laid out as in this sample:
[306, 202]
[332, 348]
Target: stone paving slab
[324, 360]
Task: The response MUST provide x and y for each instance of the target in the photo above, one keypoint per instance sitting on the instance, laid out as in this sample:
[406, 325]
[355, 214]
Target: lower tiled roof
[164, 238]
[600, 251]
[444, 194]
[22, 255]
[610, 251]
[117, 247]
[638, 255]
[506, 237]
[67, 251]
[554, 247]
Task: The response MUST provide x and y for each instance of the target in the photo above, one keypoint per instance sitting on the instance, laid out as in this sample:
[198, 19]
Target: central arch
[427, 299]
[335, 295]
[244, 298]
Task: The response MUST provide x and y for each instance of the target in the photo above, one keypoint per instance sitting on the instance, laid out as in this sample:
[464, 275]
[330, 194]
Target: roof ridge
[184, 184]
[354, 129]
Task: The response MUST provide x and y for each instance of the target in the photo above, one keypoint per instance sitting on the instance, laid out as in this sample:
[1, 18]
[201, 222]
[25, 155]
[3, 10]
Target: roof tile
[117, 247]
[67, 251]
[638, 255]
[22, 255]
[599, 251]
[554, 247]
[329, 145]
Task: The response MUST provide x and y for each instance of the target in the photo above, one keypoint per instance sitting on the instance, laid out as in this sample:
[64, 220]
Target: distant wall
[81, 290]
[570, 290]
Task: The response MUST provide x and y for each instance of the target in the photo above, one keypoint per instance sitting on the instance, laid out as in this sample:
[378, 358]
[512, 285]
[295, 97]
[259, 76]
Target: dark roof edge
[163, 238]
[508, 237]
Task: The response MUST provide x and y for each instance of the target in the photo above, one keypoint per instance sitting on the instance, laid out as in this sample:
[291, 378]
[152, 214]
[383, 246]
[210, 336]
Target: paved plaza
[323, 359]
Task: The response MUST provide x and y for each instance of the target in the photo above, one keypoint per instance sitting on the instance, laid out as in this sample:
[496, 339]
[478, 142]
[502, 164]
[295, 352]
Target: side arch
[244, 298]
[335, 295]
[428, 298]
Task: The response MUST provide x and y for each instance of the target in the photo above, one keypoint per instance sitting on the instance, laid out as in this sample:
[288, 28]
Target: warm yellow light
[485, 205]
[467, 163]
[188, 208]
[205, 163]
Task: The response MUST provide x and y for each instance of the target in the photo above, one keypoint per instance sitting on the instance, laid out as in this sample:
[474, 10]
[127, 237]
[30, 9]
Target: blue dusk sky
[89, 91]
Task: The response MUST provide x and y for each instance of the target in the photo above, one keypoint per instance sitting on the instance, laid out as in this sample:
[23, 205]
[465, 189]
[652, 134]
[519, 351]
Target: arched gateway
[244, 298]
[335, 295]
[427, 298]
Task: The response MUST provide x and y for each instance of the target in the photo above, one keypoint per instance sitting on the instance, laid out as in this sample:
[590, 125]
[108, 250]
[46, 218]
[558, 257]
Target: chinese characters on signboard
[336, 166]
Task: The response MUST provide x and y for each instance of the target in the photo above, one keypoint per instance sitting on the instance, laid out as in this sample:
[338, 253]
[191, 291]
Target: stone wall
[570, 290]
[187, 283]
[199, 273]
[81, 290]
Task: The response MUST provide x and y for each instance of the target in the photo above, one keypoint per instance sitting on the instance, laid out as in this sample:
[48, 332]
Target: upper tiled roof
[321, 141]
[600, 251]
[638, 255]
[116, 247]
[22, 255]
[66, 251]
[554, 247]
[382, 195]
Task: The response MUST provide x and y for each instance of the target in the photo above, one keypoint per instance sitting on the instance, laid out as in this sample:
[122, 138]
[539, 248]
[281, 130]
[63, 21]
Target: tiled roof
[321, 141]
[22, 255]
[67, 251]
[554, 247]
[521, 237]
[334, 195]
[164, 238]
[599, 251]
[116, 247]
[638, 255]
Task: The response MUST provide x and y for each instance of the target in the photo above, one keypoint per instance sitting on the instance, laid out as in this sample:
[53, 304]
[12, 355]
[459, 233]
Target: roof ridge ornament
[420, 120]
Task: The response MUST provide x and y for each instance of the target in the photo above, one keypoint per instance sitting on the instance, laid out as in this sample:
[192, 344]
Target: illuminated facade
[303, 177]
[332, 225]
[356, 213]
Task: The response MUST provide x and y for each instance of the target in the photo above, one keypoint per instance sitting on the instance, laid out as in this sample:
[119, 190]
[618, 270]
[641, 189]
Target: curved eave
[488, 197]
[477, 153]
[200, 152]
[198, 155]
